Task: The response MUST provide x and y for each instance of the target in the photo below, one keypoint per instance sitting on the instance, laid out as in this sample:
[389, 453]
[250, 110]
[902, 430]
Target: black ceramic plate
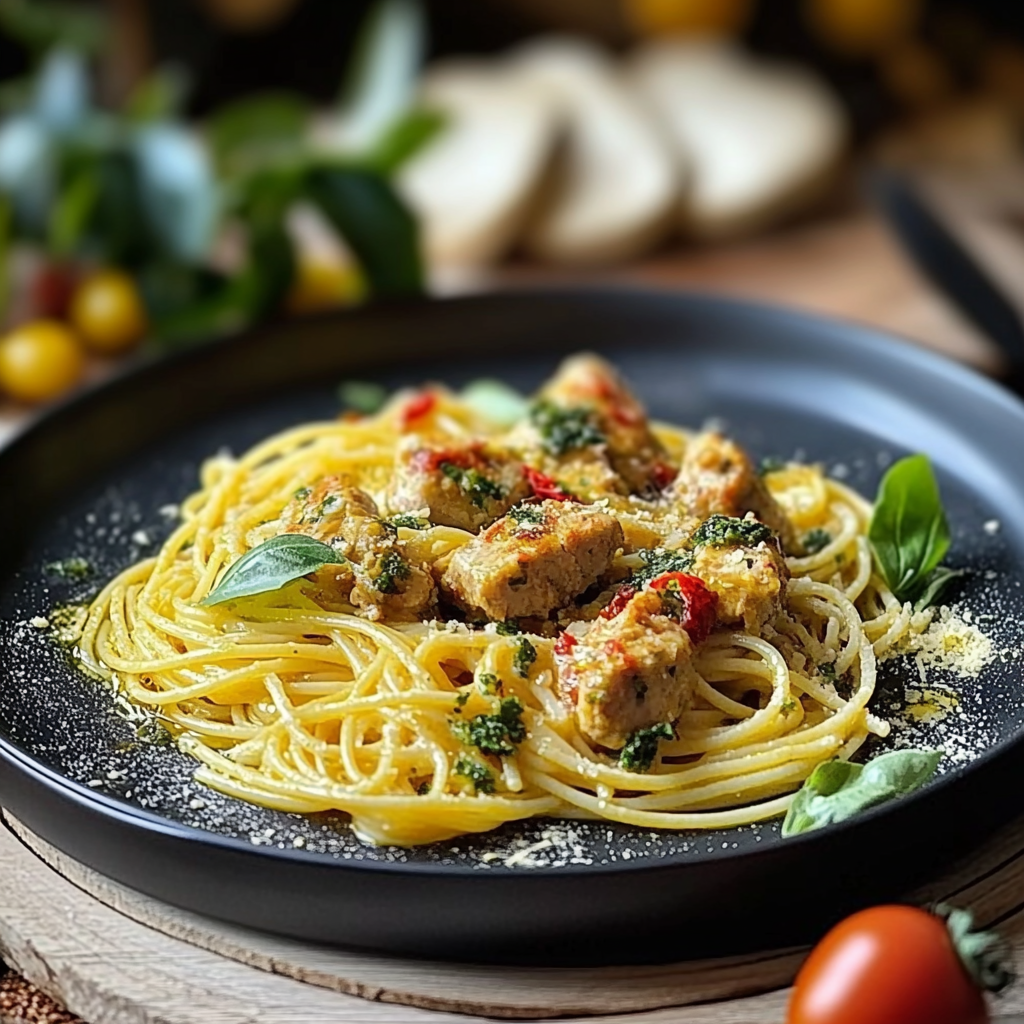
[94, 480]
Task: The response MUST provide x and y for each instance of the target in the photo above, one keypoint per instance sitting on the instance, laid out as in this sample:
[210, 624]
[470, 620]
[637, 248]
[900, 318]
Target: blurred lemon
[863, 27]
[107, 312]
[661, 17]
[39, 361]
[322, 284]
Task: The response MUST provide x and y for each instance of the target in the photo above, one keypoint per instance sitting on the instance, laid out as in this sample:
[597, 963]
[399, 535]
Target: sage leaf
[908, 531]
[272, 564]
[837, 790]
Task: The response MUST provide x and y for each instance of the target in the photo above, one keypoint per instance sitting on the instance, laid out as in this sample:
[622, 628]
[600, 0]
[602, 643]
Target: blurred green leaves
[42, 25]
[139, 189]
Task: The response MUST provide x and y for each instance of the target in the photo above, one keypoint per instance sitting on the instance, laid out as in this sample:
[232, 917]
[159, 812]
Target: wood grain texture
[117, 957]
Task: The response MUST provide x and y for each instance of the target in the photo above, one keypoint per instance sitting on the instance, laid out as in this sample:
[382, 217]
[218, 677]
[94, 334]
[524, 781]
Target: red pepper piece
[544, 486]
[416, 408]
[662, 474]
[618, 602]
[565, 643]
[700, 605]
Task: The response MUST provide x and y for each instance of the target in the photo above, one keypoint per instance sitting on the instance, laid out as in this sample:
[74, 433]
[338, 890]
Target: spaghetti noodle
[305, 705]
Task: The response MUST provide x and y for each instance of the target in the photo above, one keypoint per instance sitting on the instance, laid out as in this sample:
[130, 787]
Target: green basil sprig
[909, 534]
[272, 564]
[837, 790]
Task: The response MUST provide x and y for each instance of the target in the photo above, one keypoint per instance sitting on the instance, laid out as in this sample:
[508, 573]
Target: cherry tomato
[545, 486]
[322, 284]
[108, 313]
[886, 965]
[698, 610]
[51, 291]
[655, 17]
[39, 361]
[863, 27]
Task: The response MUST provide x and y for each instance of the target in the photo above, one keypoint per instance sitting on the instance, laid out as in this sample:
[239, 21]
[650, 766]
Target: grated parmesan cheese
[952, 642]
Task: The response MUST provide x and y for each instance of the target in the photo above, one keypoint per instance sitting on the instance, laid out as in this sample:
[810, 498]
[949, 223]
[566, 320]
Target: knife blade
[944, 260]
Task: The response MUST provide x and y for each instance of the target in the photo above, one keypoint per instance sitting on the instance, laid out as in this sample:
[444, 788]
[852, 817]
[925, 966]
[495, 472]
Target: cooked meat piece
[718, 476]
[384, 583]
[750, 581]
[629, 672]
[467, 485]
[588, 431]
[536, 559]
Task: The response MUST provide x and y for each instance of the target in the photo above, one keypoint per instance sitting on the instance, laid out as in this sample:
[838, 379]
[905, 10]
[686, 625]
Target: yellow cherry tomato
[40, 361]
[862, 28]
[322, 284]
[107, 312]
[703, 17]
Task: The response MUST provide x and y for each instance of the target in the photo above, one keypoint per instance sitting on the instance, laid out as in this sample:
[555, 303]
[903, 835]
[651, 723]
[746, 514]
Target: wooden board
[117, 957]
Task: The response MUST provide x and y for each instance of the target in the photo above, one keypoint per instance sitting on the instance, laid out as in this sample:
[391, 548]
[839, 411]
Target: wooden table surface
[847, 267]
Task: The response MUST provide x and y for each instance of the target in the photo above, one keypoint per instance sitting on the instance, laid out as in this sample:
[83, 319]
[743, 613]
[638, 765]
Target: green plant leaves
[376, 224]
[908, 531]
[382, 75]
[837, 790]
[39, 25]
[272, 564]
[258, 130]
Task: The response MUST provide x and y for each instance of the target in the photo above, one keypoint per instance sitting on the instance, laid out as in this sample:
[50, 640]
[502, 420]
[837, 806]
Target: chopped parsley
[423, 788]
[409, 521]
[771, 464]
[74, 568]
[152, 731]
[527, 515]
[473, 483]
[489, 683]
[302, 493]
[642, 747]
[525, 656]
[719, 531]
[462, 699]
[508, 628]
[392, 569]
[815, 540]
[479, 774]
[494, 734]
[657, 562]
[562, 430]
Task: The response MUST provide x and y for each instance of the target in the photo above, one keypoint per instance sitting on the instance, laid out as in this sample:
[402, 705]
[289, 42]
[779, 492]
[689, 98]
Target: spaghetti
[306, 705]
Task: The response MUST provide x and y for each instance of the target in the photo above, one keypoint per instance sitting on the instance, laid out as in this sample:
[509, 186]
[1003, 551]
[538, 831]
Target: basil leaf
[838, 790]
[935, 586]
[496, 401]
[908, 532]
[362, 396]
[272, 564]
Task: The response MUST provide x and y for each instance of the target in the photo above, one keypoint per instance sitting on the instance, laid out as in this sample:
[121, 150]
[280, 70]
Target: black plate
[91, 479]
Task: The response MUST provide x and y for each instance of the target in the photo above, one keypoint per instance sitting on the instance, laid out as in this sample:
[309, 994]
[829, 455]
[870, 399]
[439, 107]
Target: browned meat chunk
[382, 581]
[588, 431]
[536, 559]
[717, 476]
[629, 672]
[750, 581]
[468, 485]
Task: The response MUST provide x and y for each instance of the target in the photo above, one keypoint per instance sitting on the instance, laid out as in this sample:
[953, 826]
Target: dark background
[306, 47]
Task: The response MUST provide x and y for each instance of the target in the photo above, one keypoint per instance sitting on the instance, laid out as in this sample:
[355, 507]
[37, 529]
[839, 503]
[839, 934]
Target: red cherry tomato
[416, 408]
[618, 603]
[886, 965]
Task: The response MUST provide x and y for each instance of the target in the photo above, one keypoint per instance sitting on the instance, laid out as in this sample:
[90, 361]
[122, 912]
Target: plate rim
[845, 332]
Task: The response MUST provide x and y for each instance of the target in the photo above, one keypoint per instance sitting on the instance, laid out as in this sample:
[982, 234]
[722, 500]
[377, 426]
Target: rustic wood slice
[113, 955]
